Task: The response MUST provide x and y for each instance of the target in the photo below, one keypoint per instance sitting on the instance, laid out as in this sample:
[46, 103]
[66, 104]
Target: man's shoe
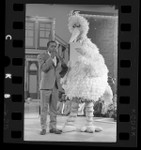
[56, 131]
[43, 132]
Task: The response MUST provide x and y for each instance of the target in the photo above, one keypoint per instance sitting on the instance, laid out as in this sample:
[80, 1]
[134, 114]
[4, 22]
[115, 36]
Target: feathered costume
[87, 78]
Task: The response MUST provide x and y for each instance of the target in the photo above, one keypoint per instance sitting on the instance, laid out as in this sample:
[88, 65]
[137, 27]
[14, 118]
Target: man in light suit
[50, 66]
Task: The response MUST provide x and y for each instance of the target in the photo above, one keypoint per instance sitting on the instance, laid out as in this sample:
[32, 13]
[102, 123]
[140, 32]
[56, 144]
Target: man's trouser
[48, 98]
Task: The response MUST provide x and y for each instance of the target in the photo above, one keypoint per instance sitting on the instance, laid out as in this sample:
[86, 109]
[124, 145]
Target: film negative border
[127, 70]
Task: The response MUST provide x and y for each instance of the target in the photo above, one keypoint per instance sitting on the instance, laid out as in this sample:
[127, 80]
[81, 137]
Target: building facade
[38, 31]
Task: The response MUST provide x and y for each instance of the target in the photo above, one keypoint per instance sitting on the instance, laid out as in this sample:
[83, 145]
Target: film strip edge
[127, 115]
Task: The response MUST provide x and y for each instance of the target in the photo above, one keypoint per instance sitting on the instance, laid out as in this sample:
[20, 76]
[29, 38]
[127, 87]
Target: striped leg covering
[89, 127]
[70, 123]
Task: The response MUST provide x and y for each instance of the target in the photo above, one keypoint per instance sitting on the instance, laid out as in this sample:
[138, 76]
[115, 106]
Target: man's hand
[45, 62]
[54, 54]
[49, 61]
[63, 80]
[42, 58]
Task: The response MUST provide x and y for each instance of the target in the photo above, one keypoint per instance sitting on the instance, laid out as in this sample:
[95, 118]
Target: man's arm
[63, 70]
[45, 63]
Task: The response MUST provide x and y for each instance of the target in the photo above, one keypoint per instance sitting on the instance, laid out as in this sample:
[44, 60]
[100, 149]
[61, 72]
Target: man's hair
[51, 42]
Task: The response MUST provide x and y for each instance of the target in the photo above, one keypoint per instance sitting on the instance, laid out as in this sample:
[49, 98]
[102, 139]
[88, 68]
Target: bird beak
[74, 36]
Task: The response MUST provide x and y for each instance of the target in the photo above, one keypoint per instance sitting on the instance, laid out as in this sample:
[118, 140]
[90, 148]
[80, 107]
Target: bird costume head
[78, 26]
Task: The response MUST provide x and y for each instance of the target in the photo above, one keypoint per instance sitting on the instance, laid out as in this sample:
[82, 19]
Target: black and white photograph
[70, 73]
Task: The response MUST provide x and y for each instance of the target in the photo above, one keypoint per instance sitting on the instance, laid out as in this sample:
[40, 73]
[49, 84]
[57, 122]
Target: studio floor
[32, 130]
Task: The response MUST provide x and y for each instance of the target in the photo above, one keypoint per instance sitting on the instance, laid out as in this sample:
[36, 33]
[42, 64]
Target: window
[30, 34]
[45, 34]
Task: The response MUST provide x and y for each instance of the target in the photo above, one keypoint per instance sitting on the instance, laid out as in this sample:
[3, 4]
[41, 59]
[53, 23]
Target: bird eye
[78, 26]
[75, 25]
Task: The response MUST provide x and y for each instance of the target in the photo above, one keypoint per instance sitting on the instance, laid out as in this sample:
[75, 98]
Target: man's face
[52, 48]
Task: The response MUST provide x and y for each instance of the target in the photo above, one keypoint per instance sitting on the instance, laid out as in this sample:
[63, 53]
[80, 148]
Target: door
[33, 78]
